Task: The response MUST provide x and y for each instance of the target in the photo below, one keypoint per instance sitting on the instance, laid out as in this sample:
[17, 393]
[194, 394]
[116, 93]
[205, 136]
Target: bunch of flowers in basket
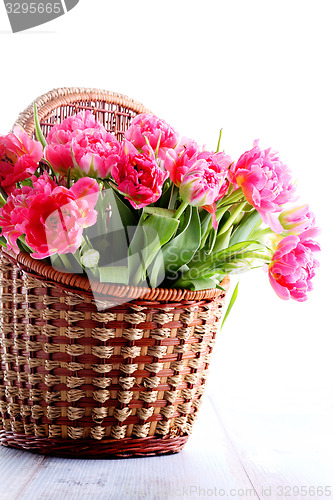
[154, 208]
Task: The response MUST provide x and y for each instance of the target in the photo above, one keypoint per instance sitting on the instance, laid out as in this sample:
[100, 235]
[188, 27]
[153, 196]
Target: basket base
[90, 448]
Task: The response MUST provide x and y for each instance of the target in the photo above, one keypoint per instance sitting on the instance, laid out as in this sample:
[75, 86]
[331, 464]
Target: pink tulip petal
[281, 291]
[292, 267]
[266, 183]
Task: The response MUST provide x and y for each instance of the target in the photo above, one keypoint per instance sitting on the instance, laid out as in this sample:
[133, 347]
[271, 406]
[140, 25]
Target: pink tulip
[177, 161]
[51, 217]
[205, 181]
[138, 176]
[19, 157]
[292, 266]
[63, 133]
[95, 153]
[20, 143]
[81, 143]
[297, 220]
[187, 153]
[155, 130]
[200, 185]
[219, 163]
[13, 216]
[90, 153]
[266, 183]
[60, 157]
[10, 173]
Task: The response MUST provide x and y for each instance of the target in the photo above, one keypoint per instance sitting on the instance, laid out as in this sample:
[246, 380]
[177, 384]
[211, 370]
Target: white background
[259, 69]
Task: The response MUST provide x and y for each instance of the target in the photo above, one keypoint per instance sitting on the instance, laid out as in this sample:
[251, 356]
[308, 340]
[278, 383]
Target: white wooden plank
[206, 465]
[283, 453]
[16, 470]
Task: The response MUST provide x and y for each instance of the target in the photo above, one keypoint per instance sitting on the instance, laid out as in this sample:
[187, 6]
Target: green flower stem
[65, 261]
[24, 245]
[219, 213]
[222, 241]
[265, 231]
[231, 198]
[77, 256]
[69, 178]
[138, 277]
[86, 243]
[3, 193]
[233, 216]
[140, 274]
[101, 219]
[108, 185]
[39, 133]
[158, 145]
[260, 233]
[53, 173]
[258, 256]
[94, 271]
[171, 196]
[214, 264]
[219, 141]
[2, 200]
[180, 210]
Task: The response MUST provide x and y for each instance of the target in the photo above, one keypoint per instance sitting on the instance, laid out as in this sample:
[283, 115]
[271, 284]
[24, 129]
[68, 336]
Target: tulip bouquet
[153, 209]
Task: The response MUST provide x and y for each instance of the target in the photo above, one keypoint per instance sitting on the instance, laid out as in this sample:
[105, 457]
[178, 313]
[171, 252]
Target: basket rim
[63, 96]
[109, 290]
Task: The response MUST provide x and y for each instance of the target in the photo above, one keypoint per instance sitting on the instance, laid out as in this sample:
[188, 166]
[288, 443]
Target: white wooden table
[249, 456]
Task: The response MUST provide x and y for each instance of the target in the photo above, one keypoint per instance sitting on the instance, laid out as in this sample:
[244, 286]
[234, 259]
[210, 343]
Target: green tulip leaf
[38, 130]
[180, 250]
[164, 212]
[128, 217]
[151, 234]
[114, 274]
[246, 227]
[198, 283]
[230, 305]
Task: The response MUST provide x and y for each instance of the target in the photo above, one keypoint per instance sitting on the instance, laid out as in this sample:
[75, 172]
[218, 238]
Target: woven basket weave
[76, 381]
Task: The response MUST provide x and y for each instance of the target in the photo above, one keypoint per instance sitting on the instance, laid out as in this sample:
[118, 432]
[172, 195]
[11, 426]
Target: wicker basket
[76, 381]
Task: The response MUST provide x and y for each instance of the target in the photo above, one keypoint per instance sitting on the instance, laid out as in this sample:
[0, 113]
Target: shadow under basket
[100, 370]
